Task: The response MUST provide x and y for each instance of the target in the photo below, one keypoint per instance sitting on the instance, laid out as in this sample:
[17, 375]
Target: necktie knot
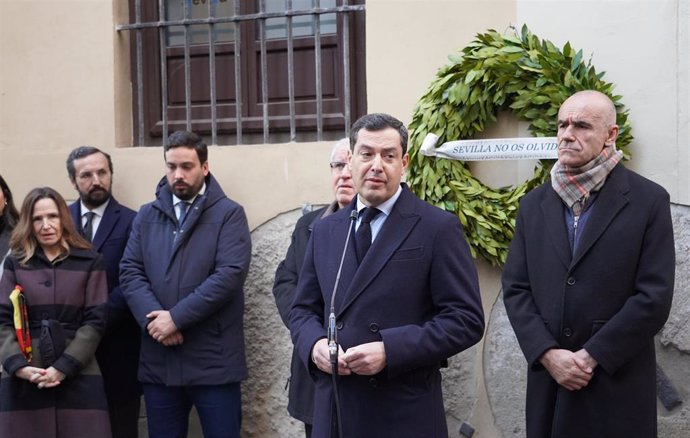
[368, 214]
[363, 236]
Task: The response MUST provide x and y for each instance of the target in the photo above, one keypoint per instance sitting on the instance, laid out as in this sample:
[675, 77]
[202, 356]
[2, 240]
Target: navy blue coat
[196, 272]
[610, 297]
[416, 290]
[118, 352]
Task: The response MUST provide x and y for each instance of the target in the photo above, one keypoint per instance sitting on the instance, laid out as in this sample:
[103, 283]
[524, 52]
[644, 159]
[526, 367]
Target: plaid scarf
[574, 184]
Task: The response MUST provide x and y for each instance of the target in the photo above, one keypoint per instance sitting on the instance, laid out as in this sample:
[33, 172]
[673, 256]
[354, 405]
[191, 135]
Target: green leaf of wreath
[529, 76]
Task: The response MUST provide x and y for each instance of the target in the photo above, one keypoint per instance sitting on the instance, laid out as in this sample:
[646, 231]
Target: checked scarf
[574, 184]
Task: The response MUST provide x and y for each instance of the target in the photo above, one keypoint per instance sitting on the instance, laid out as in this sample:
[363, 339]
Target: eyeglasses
[338, 165]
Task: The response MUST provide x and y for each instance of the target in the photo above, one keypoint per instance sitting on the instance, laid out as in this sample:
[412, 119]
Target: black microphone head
[353, 214]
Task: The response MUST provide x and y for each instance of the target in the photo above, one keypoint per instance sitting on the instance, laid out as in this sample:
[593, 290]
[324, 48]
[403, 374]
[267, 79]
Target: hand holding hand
[32, 374]
[161, 325]
[570, 370]
[175, 338]
[51, 378]
[322, 358]
[366, 359]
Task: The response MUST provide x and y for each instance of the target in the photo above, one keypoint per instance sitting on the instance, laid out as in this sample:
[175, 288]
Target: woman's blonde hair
[23, 242]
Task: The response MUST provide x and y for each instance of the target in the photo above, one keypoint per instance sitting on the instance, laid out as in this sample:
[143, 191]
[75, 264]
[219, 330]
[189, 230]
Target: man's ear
[612, 135]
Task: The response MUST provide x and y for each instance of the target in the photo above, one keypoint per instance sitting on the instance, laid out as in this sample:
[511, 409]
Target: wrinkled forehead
[587, 107]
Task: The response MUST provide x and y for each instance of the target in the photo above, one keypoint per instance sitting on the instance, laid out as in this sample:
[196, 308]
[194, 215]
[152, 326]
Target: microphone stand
[333, 332]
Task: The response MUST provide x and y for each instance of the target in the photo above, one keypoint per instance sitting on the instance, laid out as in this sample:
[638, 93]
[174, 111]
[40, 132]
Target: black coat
[301, 392]
[611, 297]
[416, 291]
[118, 352]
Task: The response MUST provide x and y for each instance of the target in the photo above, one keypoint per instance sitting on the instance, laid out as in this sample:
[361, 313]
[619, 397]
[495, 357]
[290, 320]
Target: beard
[184, 191]
[95, 197]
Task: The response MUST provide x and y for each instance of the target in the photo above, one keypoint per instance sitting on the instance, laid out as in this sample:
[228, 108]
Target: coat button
[373, 382]
[567, 332]
[571, 281]
[373, 327]
[339, 325]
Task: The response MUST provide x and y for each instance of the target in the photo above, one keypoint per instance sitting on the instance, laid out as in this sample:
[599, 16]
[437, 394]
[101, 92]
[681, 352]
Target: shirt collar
[386, 206]
[100, 210]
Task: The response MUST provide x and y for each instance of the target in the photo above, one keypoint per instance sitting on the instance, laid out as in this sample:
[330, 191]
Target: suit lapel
[609, 203]
[110, 217]
[75, 210]
[554, 217]
[393, 233]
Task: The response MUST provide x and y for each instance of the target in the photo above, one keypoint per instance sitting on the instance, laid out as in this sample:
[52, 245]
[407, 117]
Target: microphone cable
[333, 330]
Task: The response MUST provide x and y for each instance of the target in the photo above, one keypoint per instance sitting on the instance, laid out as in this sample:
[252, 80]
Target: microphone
[332, 330]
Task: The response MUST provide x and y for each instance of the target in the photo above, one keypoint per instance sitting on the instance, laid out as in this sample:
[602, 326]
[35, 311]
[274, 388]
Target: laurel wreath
[522, 73]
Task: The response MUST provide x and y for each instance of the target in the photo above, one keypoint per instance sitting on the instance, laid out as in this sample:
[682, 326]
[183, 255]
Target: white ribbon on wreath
[492, 149]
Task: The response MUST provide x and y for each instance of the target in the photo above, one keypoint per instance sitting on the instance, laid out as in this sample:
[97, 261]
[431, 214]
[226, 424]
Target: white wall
[642, 45]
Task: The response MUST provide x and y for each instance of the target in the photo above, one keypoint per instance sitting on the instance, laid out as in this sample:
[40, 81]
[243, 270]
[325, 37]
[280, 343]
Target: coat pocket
[597, 324]
[408, 254]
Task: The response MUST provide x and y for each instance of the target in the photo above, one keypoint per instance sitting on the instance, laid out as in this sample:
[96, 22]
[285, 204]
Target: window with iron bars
[247, 71]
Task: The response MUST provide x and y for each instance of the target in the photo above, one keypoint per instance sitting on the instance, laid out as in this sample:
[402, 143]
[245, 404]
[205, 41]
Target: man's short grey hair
[343, 143]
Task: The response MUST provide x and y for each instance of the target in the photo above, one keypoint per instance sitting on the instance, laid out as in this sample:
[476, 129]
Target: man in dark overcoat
[108, 224]
[301, 387]
[183, 275]
[407, 300]
[588, 283]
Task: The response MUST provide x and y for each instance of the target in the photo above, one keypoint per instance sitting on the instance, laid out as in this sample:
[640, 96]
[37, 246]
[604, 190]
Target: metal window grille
[212, 23]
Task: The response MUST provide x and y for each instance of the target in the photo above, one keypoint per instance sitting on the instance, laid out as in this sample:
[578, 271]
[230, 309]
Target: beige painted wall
[643, 47]
[64, 81]
[68, 84]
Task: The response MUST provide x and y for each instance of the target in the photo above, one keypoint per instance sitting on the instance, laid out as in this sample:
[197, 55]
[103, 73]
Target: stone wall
[501, 368]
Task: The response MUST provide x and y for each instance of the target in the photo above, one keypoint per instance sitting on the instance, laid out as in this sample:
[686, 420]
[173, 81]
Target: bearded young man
[183, 274]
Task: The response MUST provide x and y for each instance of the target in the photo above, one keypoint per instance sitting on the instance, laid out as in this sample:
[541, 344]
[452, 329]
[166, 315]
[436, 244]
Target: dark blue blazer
[118, 352]
[416, 290]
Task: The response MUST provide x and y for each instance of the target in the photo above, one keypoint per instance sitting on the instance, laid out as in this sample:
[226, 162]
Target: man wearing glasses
[301, 395]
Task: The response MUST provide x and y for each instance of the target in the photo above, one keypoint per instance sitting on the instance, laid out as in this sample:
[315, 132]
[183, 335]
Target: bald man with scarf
[588, 283]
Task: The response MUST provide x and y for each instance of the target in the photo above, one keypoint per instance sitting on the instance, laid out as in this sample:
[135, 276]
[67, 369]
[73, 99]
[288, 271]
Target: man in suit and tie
[106, 224]
[407, 300]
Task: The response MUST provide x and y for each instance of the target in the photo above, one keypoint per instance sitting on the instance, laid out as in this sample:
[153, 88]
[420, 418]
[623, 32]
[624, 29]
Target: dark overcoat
[416, 290]
[301, 386]
[610, 297]
[196, 271]
[66, 310]
[118, 352]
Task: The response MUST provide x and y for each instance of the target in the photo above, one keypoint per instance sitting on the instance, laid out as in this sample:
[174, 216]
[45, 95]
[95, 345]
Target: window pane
[303, 25]
[198, 34]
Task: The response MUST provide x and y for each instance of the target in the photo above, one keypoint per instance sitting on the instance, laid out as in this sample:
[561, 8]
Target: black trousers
[124, 417]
